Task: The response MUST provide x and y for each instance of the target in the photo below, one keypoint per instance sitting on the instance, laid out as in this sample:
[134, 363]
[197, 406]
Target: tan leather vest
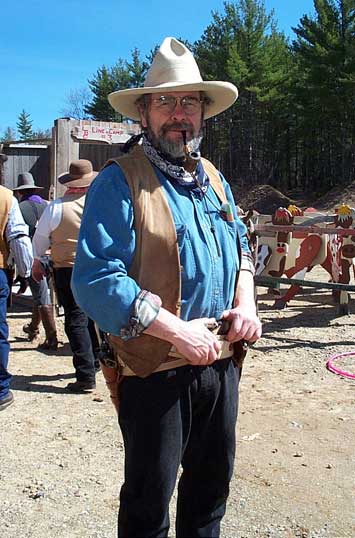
[156, 264]
[5, 206]
[64, 238]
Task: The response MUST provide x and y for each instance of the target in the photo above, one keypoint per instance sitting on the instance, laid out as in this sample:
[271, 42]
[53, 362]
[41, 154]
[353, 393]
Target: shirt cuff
[145, 310]
[247, 263]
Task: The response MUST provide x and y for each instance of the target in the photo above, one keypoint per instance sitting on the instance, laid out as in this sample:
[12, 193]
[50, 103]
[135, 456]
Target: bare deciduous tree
[75, 104]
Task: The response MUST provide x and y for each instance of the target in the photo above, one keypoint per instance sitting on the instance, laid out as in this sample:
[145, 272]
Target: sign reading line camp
[115, 133]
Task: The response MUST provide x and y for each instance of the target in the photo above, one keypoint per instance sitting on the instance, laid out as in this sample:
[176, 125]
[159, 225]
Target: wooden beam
[67, 150]
[274, 228]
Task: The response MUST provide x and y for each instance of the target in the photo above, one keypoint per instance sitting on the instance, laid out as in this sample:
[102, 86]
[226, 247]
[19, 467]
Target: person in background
[32, 206]
[164, 268]
[58, 230]
[14, 242]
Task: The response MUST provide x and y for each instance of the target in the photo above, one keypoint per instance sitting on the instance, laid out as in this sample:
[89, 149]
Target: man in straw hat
[32, 206]
[159, 254]
[58, 230]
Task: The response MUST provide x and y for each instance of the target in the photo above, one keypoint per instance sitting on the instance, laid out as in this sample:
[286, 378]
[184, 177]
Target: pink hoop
[337, 371]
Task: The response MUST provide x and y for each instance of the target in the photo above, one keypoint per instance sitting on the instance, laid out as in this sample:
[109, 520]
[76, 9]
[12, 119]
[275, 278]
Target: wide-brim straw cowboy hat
[174, 69]
[25, 181]
[80, 174]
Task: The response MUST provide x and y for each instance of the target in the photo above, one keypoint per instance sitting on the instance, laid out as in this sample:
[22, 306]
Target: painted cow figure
[293, 254]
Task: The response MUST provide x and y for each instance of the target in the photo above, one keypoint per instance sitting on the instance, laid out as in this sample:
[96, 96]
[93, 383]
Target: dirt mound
[264, 198]
[335, 197]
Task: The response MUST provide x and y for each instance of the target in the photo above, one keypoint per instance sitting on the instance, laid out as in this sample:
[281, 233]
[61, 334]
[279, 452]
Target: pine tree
[122, 75]
[24, 126]
[243, 46]
[325, 52]
[102, 83]
[136, 69]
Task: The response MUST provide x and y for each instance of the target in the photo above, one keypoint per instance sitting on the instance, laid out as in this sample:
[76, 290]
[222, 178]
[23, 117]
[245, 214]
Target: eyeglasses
[167, 104]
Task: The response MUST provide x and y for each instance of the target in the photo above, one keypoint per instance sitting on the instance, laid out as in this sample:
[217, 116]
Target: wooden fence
[27, 158]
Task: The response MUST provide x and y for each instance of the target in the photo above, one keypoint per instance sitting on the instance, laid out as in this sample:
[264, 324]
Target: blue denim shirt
[106, 246]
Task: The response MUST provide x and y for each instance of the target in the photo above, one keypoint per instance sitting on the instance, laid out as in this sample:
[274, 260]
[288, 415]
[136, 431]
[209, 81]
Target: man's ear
[142, 111]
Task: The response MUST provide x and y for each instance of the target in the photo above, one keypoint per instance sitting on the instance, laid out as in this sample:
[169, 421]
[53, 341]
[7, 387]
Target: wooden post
[66, 150]
[52, 187]
[3, 159]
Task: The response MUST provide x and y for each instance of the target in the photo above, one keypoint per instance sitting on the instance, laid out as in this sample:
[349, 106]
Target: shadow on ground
[33, 383]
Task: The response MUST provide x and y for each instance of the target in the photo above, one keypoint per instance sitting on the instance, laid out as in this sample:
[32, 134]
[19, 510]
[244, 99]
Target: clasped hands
[201, 347]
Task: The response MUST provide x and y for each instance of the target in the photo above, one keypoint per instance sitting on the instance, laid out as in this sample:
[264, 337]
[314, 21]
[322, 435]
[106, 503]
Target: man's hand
[191, 339]
[23, 282]
[196, 342]
[244, 324]
[243, 319]
[38, 271]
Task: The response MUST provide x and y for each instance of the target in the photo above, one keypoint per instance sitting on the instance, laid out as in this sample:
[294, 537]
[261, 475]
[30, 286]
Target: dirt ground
[62, 454]
[266, 199]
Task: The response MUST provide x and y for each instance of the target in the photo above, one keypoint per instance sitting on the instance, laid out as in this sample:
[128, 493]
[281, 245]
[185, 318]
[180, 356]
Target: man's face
[167, 115]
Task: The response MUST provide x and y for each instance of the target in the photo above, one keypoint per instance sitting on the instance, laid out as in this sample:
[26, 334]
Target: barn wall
[27, 159]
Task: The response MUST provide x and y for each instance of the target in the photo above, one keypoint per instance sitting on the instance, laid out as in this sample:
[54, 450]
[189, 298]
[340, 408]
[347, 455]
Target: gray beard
[175, 150]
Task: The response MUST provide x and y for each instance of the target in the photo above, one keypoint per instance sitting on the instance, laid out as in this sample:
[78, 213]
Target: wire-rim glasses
[167, 104]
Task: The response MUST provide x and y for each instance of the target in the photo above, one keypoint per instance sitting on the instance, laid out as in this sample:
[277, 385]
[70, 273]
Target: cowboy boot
[47, 315]
[32, 328]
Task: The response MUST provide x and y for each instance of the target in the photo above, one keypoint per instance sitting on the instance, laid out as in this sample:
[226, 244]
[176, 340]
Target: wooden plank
[99, 154]
[52, 188]
[111, 133]
[260, 228]
[32, 159]
[66, 150]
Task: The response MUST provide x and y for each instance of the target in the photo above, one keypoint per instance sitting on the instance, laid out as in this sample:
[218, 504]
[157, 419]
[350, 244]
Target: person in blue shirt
[164, 269]
[15, 245]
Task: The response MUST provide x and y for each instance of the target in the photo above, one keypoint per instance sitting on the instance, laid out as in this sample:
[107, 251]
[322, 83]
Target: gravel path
[62, 454]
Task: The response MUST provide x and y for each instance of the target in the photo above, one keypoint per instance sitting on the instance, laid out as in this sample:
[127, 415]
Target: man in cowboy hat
[159, 255]
[32, 206]
[58, 230]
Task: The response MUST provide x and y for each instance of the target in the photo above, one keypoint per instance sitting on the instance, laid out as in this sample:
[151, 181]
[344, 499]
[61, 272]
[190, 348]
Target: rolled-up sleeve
[106, 244]
[19, 241]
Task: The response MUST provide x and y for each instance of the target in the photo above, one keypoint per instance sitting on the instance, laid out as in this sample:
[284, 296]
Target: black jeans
[76, 327]
[181, 416]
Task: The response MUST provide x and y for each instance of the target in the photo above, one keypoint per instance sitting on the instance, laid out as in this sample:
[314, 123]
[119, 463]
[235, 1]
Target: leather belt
[175, 359]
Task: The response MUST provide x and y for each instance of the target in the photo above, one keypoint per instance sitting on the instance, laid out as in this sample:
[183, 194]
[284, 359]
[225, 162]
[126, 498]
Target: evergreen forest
[293, 125]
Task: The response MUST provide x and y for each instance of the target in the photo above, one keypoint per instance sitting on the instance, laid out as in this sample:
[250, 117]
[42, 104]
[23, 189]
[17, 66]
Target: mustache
[178, 126]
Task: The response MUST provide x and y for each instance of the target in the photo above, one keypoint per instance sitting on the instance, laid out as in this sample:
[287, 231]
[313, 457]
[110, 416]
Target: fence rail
[274, 228]
[270, 281]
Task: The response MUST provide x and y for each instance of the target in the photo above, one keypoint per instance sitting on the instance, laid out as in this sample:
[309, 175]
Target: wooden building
[71, 140]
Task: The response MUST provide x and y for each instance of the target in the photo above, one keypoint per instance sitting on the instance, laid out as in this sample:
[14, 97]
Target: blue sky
[48, 48]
